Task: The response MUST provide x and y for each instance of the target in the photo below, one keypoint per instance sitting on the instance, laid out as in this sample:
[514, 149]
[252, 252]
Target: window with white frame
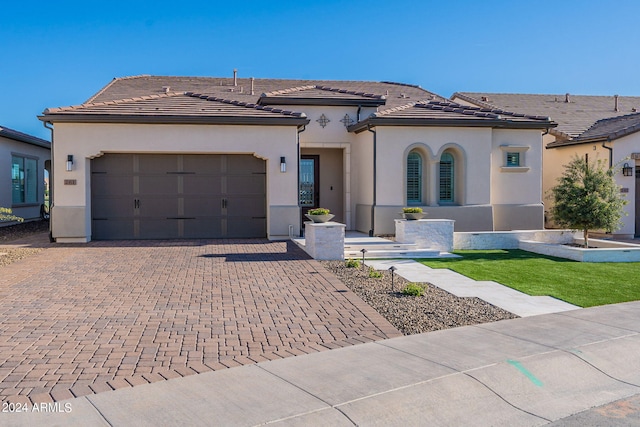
[24, 180]
[414, 178]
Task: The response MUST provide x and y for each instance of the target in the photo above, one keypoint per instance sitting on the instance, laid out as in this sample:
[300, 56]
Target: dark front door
[309, 184]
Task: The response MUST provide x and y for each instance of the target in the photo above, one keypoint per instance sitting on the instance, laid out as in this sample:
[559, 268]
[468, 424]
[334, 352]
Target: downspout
[51, 182]
[358, 113]
[373, 206]
[300, 130]
[610, 152]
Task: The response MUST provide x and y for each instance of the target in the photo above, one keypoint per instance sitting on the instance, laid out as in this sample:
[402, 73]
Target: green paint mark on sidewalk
[525, 372]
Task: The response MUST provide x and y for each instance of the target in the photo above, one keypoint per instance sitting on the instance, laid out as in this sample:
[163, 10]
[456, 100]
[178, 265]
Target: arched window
[447, 173]
[414, 178]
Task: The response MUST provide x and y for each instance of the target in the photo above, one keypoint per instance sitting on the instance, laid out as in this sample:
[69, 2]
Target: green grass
[580, 283]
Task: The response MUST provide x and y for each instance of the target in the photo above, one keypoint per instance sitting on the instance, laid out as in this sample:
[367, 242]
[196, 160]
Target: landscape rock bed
[435, 310]
[18, 231]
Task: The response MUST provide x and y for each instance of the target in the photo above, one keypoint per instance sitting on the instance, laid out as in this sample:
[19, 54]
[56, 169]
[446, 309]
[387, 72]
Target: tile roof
[611, 128]
[175, 107]
[127, 87]
[23, 137]
[425, 113]
[573, 117]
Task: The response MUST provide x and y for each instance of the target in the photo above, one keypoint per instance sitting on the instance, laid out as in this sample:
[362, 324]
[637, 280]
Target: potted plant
[319, 215]
[412, 213]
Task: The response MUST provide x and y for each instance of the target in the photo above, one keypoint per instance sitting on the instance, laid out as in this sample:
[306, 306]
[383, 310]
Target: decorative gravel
[436, 309]
[11, 233]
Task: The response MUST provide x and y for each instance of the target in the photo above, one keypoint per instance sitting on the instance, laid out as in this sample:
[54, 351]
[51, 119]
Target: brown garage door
[166, 196]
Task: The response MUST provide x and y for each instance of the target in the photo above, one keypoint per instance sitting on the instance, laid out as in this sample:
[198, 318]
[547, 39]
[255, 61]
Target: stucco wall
[86, 141]
[556, 158]
[8, 147]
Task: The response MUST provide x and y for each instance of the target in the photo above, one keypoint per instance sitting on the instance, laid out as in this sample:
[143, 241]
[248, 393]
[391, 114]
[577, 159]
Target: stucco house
[603, 127]
[187, 157]
[24, 159]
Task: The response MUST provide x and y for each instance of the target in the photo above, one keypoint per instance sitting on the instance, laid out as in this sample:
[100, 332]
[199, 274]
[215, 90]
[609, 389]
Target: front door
[309, 184]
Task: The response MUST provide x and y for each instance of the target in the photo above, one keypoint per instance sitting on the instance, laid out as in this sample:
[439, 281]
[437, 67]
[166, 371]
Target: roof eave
[173, 119]
[32, 140]
[396, 121]
[332, 102]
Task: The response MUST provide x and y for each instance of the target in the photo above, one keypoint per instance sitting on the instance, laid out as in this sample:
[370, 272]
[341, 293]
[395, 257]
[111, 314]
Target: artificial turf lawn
[580, 283]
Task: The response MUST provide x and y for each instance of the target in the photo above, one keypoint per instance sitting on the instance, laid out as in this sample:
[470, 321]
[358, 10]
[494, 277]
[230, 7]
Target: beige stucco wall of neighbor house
[71, 216]
[556, 158]
[9, 147]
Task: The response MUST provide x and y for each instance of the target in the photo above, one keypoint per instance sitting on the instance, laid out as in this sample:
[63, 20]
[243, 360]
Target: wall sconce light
[283, 165]
[69, 162]
[627, 170]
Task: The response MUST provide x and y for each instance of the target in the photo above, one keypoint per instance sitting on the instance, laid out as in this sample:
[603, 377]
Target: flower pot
[413, 216]
[320, 218]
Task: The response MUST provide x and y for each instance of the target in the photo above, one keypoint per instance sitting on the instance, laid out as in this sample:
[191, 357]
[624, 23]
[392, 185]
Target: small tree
[587, 197]
[6, 214]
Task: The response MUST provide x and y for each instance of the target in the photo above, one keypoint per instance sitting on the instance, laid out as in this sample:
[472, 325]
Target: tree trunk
[585, 234]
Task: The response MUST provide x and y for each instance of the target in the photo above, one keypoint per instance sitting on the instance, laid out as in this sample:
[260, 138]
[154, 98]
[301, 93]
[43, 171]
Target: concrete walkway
[577, 367]
[494, 293]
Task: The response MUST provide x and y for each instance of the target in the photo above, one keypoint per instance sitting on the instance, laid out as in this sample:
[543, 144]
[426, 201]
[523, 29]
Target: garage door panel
[210, 164]
[245, 164]
[158, 207]
[244, 205]
[111, 184]
[113, 163]
[159, 228]
[112, 207]
[158, 184]
[157, 163]
[203, 228]
[204, 185]
[251, 184]
[111, 229]
[198, 207]
[245, 227]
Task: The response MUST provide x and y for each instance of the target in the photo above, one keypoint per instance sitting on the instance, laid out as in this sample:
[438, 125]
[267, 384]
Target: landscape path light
[392, 269]
[364, 251]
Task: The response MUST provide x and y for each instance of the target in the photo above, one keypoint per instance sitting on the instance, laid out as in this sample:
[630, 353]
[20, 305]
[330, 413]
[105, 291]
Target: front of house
[152, 157]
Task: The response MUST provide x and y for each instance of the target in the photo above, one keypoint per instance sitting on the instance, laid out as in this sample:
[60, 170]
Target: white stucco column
[325, 241]
[432, 190]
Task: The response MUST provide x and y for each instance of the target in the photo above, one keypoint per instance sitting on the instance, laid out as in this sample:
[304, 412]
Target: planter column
[325, 241]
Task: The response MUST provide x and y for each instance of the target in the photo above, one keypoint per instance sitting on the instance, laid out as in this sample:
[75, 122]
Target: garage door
[163, 196]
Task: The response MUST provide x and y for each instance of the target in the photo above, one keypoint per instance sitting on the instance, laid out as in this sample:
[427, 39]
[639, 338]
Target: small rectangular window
[513, 159]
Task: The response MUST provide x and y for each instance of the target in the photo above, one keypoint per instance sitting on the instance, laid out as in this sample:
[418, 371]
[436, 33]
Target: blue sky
[60, 53]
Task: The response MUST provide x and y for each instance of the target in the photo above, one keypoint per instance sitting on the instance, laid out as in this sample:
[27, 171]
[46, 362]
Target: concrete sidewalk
[522, 372]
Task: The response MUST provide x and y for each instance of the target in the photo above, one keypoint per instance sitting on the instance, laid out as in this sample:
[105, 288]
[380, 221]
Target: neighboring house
[170, 157]
[604, 127]
[23, 158]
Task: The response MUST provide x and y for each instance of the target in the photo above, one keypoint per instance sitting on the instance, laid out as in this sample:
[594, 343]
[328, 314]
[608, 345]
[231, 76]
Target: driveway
[83, 319]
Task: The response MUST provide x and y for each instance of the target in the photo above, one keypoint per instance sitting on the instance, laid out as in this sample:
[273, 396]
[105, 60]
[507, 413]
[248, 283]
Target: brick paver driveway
[83, 319]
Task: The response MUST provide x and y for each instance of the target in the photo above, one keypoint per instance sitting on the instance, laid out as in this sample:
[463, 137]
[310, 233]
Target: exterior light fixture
[283, 165]
[627, 170]
[69, 162]
[392, 269]
[364, 251]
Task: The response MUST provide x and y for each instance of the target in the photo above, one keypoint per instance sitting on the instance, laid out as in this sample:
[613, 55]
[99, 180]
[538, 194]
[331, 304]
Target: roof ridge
[289, 90]
[114, 102]
[490, 111]
[246, 104]
[108, 85]
[618, 133]
[394, 109]
[351, 92]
